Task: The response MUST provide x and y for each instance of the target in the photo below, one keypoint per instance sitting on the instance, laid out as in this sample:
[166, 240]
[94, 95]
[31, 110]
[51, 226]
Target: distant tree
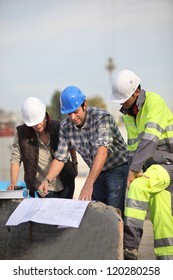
[54, 108]
[96, 101]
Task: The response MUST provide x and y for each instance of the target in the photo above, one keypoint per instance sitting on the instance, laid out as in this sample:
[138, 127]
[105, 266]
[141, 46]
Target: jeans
[110, 187]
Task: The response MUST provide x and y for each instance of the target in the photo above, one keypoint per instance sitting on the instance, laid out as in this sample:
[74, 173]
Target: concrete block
[99, 237]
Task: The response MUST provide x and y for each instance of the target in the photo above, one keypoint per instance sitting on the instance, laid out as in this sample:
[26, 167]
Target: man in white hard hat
[149, 124]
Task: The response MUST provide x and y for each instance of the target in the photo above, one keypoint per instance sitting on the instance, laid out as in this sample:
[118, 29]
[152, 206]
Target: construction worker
[93, 133]
[149, 124]
[34, 144]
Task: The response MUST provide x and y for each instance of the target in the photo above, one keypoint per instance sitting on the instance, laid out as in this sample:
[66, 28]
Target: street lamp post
[110, 67]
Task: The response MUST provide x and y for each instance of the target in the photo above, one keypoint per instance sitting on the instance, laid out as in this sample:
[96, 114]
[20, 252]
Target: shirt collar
[139, 102]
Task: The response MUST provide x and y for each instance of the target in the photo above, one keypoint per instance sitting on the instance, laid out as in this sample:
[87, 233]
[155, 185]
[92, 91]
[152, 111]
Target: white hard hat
[124, 85]
[33, 111]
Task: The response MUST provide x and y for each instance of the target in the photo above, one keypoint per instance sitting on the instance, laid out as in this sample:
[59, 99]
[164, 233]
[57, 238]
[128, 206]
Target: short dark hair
[82, 105]
[139, 87]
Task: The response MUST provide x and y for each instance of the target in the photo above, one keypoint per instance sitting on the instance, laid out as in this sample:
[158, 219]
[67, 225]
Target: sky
[46, 45]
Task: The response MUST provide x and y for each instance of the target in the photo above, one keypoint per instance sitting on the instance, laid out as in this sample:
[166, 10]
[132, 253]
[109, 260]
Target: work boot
[130, 254]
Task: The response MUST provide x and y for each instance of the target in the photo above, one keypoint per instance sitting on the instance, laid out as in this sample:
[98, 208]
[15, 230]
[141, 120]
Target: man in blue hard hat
[93, 133]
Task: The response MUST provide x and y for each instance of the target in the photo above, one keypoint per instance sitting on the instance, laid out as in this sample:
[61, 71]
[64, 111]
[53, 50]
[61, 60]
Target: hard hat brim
[30, 124]
[120, 101]
[68, 111]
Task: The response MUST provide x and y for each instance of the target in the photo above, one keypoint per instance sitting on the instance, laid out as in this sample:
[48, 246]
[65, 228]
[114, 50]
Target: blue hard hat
[71, 99]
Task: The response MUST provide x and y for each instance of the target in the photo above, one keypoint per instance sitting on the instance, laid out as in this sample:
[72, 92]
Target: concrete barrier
[99, 237]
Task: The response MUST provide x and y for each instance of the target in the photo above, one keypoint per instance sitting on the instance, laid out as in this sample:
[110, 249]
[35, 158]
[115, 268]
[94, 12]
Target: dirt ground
[146, 249]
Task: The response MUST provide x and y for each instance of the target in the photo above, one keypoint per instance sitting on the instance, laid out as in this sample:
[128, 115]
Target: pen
[40, 191]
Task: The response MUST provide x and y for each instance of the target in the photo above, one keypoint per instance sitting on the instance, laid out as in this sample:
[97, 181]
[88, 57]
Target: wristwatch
[48, 180]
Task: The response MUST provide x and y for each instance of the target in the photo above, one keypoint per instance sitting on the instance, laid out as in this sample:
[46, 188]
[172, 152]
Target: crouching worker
[149, 124]
[34, 144]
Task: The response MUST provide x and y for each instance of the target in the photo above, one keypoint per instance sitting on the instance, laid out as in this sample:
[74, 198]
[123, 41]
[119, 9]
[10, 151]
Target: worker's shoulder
[153, 99]
[55, 122]
[154, 96]
[65, 121]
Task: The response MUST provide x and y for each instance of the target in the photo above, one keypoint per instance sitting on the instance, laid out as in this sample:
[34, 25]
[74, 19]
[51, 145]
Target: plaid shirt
[100, 129]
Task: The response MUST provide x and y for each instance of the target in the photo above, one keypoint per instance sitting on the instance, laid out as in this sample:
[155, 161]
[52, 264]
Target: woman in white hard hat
[34, 144]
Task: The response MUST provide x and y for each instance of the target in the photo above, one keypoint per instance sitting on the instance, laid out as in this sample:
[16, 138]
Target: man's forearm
[99, 161]
[98, 164]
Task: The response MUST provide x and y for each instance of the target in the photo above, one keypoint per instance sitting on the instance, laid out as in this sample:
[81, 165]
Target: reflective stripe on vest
[163, 242]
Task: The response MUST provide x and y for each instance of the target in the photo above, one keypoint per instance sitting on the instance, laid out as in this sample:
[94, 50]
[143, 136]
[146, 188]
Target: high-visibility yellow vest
[150, 124]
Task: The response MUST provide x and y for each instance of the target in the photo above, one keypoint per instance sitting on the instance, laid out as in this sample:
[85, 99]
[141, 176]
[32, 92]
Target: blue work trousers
[110, 187]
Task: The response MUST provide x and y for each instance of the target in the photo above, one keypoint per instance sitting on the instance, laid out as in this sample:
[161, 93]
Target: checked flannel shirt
[100, 129]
